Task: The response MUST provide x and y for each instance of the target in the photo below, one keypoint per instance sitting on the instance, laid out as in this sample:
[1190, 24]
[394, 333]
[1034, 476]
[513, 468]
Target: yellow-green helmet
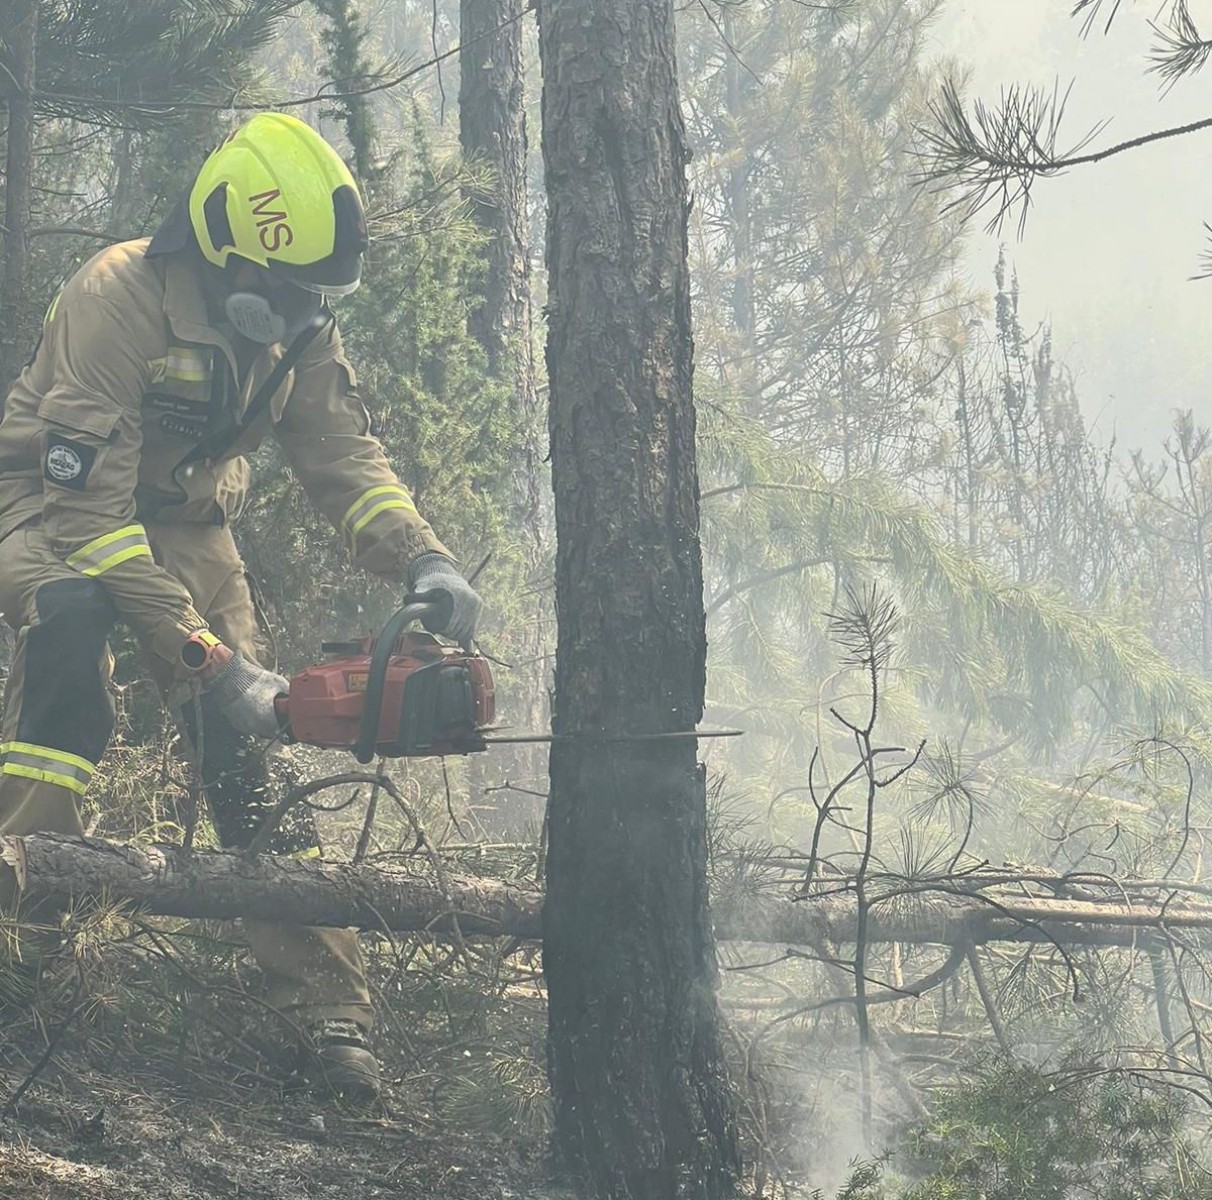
[276, 193]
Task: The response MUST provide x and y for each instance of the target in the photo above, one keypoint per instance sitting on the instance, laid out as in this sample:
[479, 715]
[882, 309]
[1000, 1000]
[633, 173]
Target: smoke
[1109, 251]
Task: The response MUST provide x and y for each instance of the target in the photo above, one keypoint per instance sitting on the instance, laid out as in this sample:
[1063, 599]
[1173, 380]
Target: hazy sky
[1109, 248]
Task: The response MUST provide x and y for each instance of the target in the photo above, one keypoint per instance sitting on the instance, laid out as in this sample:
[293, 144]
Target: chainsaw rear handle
[438, 604]
[433, 609]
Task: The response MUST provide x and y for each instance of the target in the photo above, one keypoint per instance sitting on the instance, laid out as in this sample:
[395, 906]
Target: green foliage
[140, 63]
[822, 276]
[502, 1092]
[864, 417]
[1020, 480]
[1016, 655]
[1016, 1132]
[1170, 510]
[128, 98]
[445, 423]
[345, 41]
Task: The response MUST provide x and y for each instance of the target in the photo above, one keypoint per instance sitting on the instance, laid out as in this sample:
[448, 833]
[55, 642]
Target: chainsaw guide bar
[676, 735]
[409, 695]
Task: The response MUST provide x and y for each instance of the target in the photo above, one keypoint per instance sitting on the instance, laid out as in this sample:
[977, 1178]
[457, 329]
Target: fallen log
[953, 919]
[170, 881]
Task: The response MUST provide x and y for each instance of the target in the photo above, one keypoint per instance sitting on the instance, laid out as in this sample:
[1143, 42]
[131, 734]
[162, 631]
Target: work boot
[339, 1061]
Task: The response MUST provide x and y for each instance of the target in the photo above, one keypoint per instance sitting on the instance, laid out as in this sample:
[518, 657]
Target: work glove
[246, 693]
[436, 573]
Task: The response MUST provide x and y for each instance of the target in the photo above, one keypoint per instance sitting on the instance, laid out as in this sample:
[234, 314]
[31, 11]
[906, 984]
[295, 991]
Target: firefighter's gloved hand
[247, 693]
[435, 572]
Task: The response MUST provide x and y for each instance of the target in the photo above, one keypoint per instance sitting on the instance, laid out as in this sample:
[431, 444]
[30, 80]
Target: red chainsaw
[409, 695]
[398, 695]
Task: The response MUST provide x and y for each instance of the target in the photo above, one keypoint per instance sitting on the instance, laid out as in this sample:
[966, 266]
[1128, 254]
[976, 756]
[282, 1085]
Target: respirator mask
[277, 314]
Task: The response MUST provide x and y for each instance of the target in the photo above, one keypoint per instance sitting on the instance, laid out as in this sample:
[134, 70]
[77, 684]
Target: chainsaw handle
[439, 608]
[415, 608]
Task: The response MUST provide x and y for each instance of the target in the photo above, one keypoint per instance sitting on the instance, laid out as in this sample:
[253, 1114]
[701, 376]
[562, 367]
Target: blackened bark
[21, 35]
[643, 1108]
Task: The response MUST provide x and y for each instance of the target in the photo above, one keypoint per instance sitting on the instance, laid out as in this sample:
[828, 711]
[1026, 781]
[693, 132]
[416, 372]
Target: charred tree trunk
[21, 36]
[643, 1107]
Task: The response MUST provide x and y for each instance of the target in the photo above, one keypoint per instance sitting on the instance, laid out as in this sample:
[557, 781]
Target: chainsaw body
[400, 695]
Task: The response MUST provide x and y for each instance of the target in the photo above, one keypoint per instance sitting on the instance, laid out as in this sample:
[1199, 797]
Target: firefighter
[122, 468]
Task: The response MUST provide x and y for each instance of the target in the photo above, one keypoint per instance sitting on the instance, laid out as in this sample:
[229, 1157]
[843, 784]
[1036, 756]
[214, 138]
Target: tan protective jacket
[127, 379]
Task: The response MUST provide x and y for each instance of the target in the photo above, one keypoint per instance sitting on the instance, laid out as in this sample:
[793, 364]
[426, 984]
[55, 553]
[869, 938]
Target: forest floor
[84, 1135]
[172, 1096]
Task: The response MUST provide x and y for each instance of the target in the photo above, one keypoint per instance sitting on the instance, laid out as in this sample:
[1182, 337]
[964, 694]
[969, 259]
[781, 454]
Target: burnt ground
[166, 1080]
[82, 1136]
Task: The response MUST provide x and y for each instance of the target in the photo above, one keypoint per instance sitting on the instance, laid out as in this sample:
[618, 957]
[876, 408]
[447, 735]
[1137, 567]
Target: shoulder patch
[67, 463]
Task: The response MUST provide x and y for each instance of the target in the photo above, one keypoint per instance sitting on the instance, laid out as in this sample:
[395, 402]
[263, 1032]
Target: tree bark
[216, 885]
[492, 131]
[492, 134]
[945, 919]
[643, 1109]
[21, 35]
[171, 881]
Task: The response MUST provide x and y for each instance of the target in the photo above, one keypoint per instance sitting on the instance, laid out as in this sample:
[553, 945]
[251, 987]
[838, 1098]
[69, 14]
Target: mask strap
[215, 448]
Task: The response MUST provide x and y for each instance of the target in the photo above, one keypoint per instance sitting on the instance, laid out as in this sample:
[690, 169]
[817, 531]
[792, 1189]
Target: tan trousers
[58, 717]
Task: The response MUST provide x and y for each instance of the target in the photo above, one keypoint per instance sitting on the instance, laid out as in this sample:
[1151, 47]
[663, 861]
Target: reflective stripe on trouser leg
[57, 710]
[46, 764]
[61, 696]
[309, 972]
[111, 549]
[58, 713]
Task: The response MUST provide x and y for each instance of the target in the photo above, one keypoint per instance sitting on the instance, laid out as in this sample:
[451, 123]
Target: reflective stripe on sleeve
[110, 549]
[187, 364]
[46, 764]
[372, 502]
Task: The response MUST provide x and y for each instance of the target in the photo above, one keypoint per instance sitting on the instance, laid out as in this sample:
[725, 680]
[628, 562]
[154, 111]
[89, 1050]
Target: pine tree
[642, 1105]
[117, 70]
